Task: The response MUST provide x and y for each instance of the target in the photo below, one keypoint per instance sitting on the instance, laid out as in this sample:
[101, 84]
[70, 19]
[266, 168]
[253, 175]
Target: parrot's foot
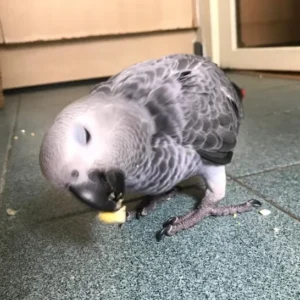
[177, 224]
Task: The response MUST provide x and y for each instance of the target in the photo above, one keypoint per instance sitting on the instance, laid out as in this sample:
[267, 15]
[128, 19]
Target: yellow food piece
[117, 217]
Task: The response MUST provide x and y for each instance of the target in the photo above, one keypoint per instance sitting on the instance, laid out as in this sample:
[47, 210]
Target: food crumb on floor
[265, 212]
[11, 212]
[16, 137]
[32, 134]
[23, 130]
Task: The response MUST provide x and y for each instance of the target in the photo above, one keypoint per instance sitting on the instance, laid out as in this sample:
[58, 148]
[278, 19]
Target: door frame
[217, 19]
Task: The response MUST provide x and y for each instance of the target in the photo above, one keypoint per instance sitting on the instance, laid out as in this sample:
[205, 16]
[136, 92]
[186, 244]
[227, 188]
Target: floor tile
[266, 143]
[55, 248]
[220, 258]
[38, 110]
[280, 186]
[26, 189]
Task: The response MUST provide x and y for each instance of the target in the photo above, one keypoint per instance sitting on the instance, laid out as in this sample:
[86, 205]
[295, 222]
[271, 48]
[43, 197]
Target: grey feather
[190, 99]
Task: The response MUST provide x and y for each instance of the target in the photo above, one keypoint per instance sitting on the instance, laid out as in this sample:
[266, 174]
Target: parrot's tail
[241, 92]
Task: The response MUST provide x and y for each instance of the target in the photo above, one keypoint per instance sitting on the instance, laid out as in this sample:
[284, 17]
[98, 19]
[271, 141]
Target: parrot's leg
[216, 187]
[150, 202]
[147, 204]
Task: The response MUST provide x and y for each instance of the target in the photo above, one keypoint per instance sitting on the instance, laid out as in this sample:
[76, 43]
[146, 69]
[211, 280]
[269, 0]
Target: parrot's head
[77, 154]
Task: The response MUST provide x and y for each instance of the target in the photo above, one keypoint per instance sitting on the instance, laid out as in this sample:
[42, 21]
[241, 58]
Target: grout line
[9, 150]
[296, 164]
[65, 216]
[264, 197]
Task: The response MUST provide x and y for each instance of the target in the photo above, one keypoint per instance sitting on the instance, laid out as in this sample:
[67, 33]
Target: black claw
[140, 214]
[170, 221]
[162, 233]
[255, 203]
[129, 216]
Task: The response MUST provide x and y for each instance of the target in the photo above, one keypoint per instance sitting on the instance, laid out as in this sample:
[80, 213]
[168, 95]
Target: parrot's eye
[82, 135]
[88, 135]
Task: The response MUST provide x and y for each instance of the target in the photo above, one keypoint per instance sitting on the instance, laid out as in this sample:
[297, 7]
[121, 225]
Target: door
[252, 34]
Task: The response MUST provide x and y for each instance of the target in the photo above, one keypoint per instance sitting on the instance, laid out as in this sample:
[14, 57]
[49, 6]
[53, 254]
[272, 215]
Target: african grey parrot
[145, 130]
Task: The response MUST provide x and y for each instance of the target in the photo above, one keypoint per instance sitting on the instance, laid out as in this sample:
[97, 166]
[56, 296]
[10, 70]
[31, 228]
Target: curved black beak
[102, 191]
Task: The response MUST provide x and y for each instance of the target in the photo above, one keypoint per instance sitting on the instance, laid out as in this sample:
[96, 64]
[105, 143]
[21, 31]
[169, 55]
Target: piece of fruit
[117, 217]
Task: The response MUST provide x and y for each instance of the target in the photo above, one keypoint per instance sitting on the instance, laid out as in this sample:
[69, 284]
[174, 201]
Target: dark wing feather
[190, 99]
[214, 109]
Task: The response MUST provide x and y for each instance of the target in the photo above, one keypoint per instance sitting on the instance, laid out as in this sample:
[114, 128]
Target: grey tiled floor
[54, 248]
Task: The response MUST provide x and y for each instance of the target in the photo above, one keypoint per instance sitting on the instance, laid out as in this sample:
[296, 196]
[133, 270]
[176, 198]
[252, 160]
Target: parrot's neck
[162, 167]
